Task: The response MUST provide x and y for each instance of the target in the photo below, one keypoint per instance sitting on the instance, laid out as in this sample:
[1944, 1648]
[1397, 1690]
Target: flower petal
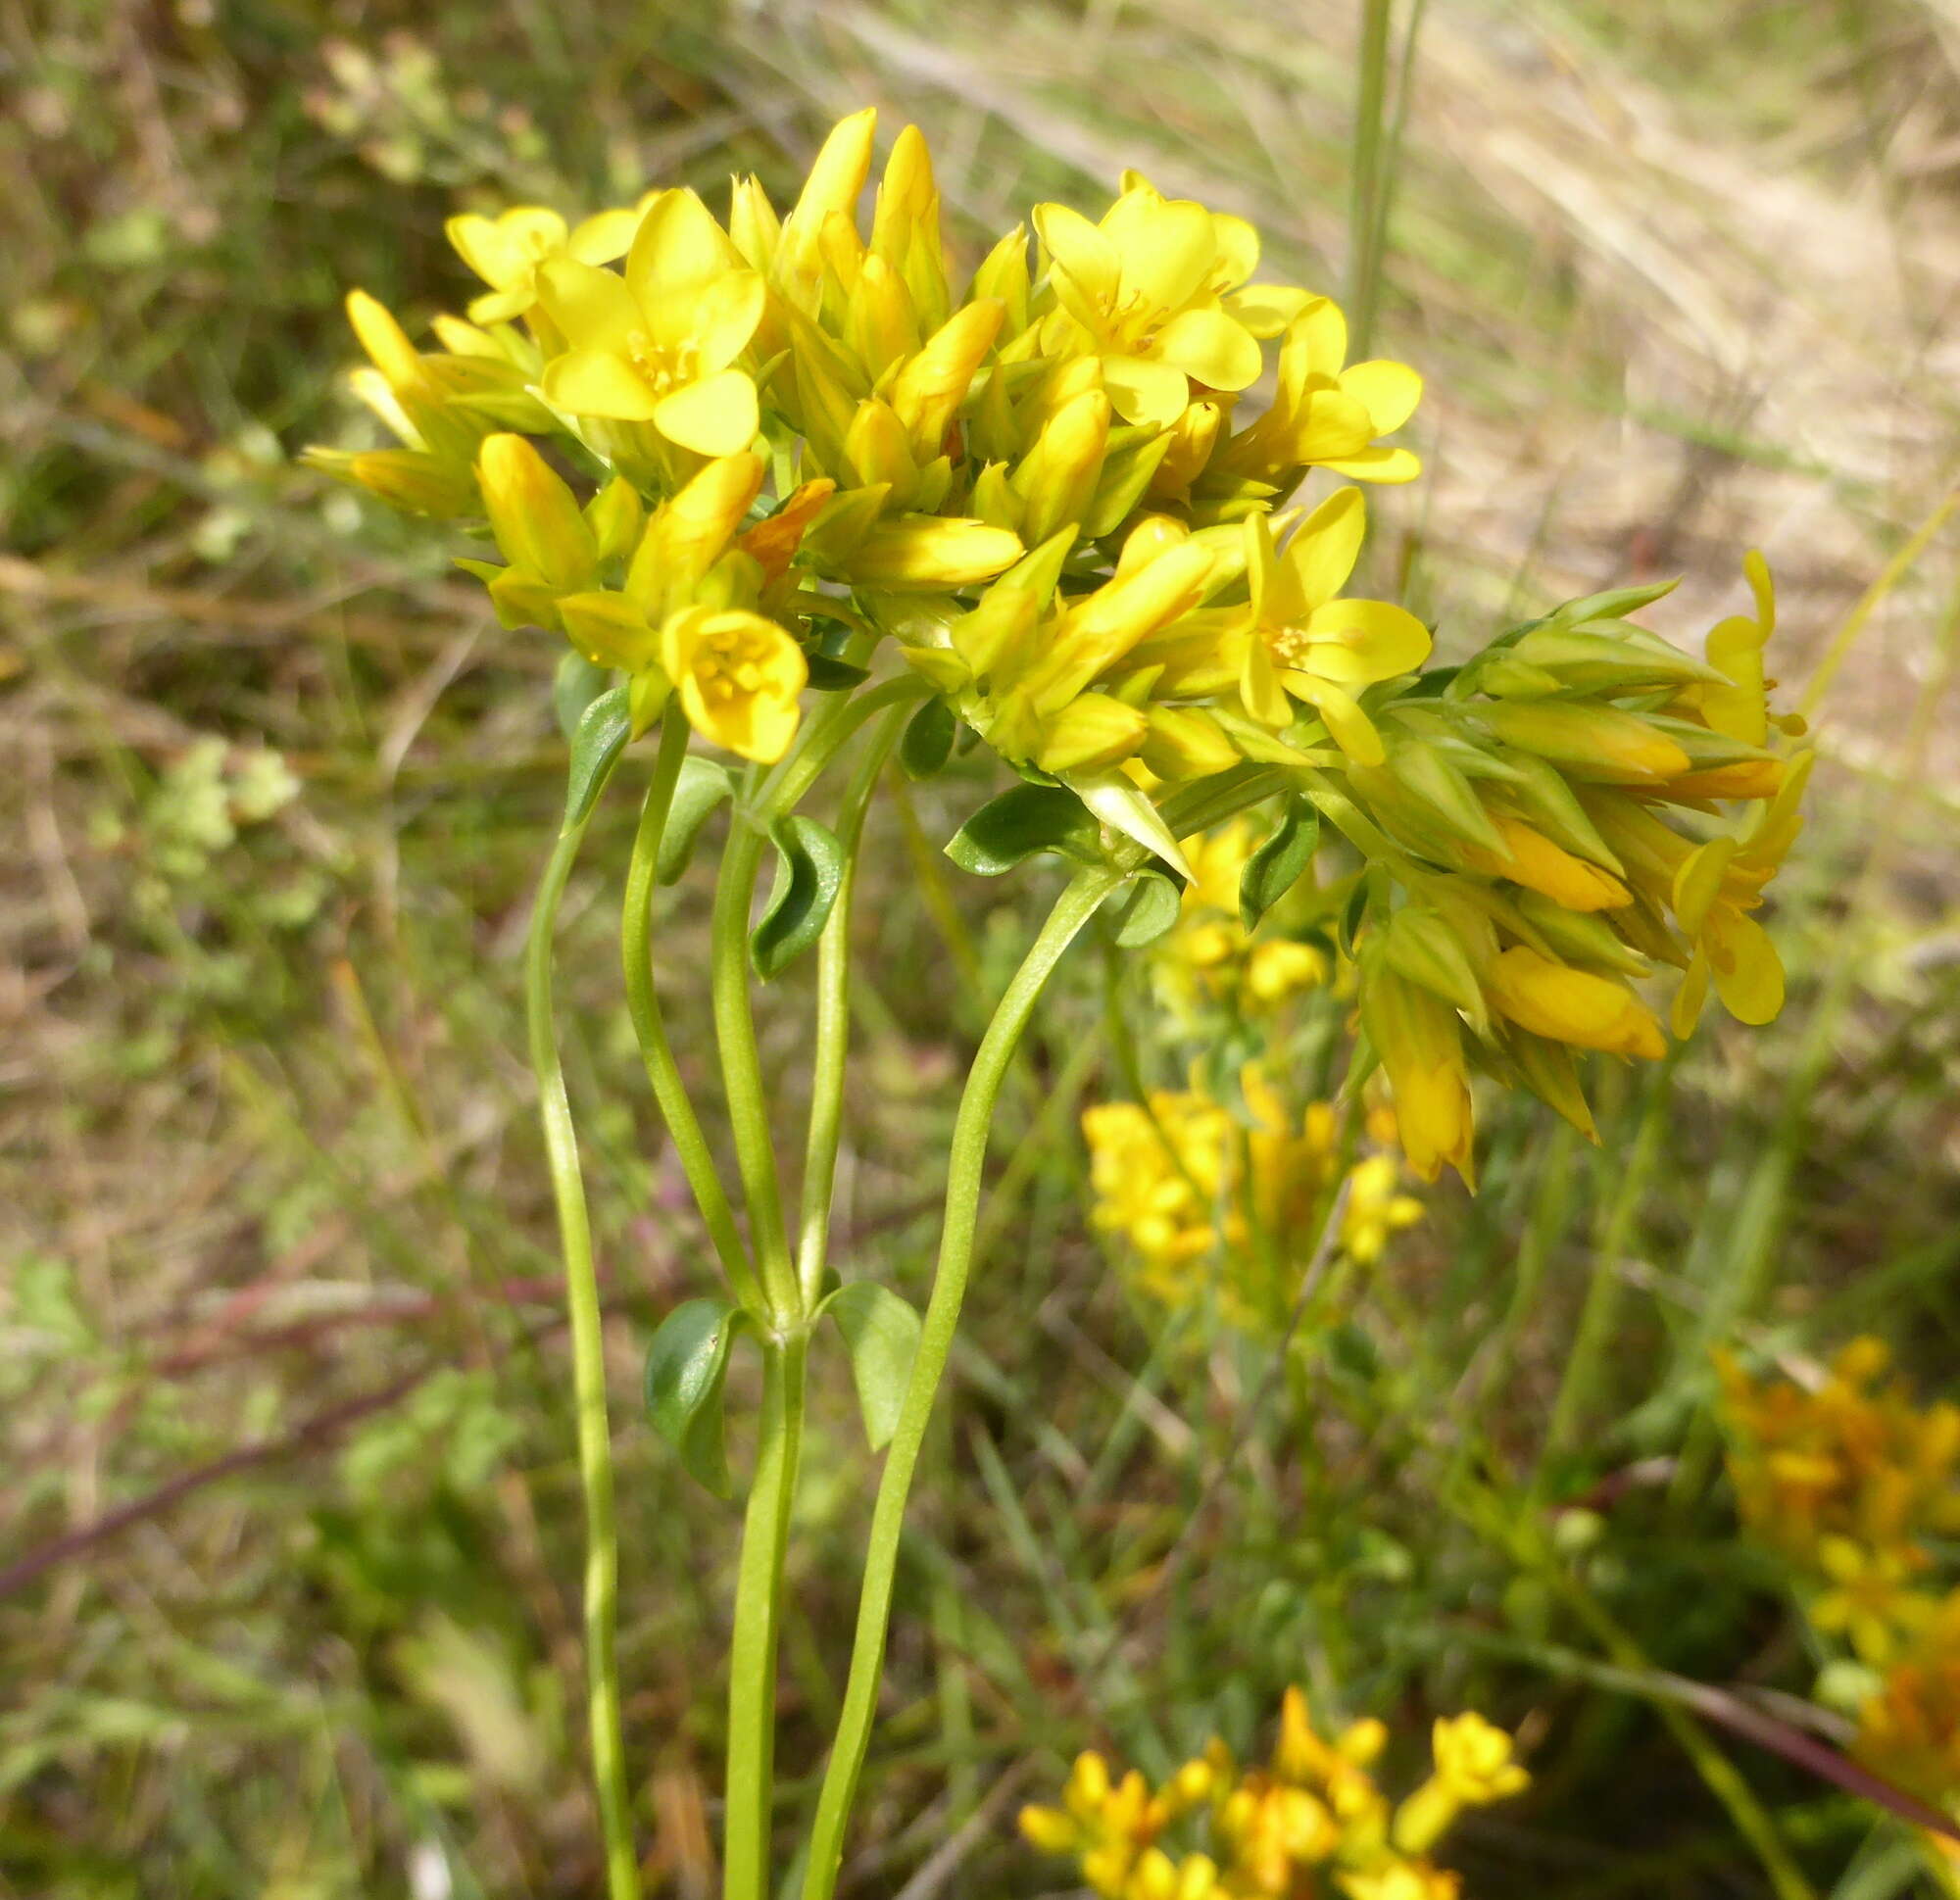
[1325, 548]
[1265, 310]
[592, 308]
[1331, 424]
[1238, 243]
[1749, 973]
[1376, 465]
[678, 248]
[725, 318]
[714, 416]
[1352, 730]
[1077, 247]
[1388, 391]
[1212, 349]
[1358, 642]
[1144, 390]
[1166, 246]
[596, 382]
[604, 236]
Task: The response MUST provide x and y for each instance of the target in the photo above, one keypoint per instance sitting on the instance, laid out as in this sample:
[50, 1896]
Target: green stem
[758, 1595]
[643, 1004]
[1370, 161]
[1077, 903]
[588, 1361]
[833, 1019]
[741, 1072]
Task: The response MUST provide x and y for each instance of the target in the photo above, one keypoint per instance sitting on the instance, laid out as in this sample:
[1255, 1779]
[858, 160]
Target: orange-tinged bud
[1575, 1006]
[772, 544]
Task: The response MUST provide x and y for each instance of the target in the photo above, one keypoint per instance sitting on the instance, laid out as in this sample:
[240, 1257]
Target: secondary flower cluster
[733, 465]
[1203, 1198]
[1312, 1822]
[1856, 1485]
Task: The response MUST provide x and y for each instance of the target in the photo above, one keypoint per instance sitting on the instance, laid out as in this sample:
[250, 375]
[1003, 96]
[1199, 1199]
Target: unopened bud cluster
[729, 457]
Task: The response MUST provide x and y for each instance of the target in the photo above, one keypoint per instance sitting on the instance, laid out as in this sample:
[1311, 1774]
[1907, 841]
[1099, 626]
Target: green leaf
[1355, 913]
[1025, 820]
[809, 870]
[1144, 912]
[576, 684]
[603, 729]
[881, 1333]
[702, 786]
[927, 742]
[827, 676]
[1276, 866]
[686, 1364]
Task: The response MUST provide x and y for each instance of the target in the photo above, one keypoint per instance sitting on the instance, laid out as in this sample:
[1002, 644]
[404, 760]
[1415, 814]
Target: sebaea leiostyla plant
[797, 498]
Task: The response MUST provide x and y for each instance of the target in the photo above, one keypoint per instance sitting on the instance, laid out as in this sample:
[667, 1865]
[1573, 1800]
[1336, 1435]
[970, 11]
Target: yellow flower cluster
[715, 452]
[1312, 1822]
[1207, 957]
[1854, 1485]
[1202, 1201]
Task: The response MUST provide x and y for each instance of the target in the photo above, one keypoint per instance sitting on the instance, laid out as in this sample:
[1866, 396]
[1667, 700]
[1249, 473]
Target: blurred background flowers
[287, 1581]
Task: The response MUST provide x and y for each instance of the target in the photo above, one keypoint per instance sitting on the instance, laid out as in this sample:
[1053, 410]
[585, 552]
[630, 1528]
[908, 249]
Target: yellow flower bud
[753, 225]
[925, 550]
[1575, 1006]
[836, 176]
[1532, 859]
[1187, 742]
[1421, 1046]
[1057, 478]
[533, 514]
[688, 533]
[616, 516]
[928, 391]
[1089, 733]
[1049, 1829]
[385, 341]
[1602, 743]
[406, 478]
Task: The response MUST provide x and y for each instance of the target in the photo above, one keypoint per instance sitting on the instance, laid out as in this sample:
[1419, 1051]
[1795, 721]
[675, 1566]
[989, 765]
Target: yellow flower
[1325, 414]
[660, 344]
[1473, 1760]
[739, 677]
[507, 250]
[1154, 291]
[1870, 1600]
[1315, 646]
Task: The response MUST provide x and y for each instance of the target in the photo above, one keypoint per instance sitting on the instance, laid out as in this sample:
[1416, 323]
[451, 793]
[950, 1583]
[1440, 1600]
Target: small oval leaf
[1146, 911]
[809, 869]
[686, 1364]
[577, 683]
[702, 786]
[881, 1333]
[927, 742]
[1025, 820]
[603, 730]
[1276, 866]
[828, 675]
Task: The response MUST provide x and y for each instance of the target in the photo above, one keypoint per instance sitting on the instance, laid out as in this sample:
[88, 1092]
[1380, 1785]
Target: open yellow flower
[1311, 644]
[660, 344]
[739, 677]
[507, 250]
[1155, 292]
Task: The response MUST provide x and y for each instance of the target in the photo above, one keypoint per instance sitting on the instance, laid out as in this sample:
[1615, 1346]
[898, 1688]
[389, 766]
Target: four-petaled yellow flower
[507, 250]
[1310, 643]
[660, 345]
[1156, 290]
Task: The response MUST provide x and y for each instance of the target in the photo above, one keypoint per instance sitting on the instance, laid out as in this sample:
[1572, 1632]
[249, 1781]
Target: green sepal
[687, 1362]
[1144, 910]
[881, 1334]
[1025, 819]
[809, 872]
[701, 785]
[1278, 862]
[927, 740]
[603, 730]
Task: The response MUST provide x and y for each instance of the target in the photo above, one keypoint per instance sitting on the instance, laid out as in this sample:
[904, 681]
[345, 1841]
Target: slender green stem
[1077, 903]
[588, 1361]
[643, 1004]
[1369, 176]
[758, 1595]
[833, 1019]
[741, 1072]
